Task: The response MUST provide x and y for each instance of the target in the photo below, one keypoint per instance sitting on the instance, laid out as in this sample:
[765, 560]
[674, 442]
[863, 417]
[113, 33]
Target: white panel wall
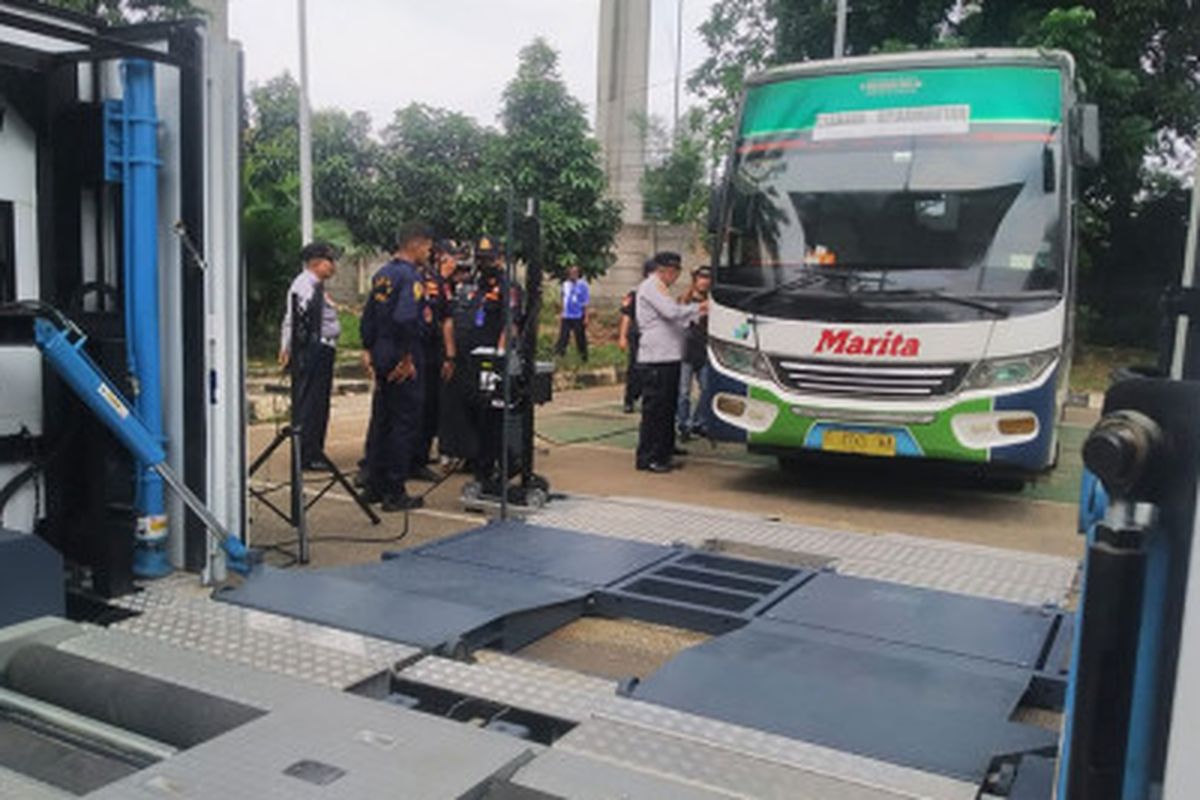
[20, 367]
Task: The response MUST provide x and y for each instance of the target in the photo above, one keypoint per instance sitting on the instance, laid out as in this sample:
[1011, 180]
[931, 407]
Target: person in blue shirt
[393, 332]
[575, 300]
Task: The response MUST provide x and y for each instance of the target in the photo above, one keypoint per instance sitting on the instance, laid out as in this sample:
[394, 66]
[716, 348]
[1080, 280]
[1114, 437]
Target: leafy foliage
[740, 36]
[429, 163]
[129, 10]
[674, 189]
[548, 152]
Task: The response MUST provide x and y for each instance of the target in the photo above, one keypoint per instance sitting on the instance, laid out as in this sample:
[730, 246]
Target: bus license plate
[859, 443]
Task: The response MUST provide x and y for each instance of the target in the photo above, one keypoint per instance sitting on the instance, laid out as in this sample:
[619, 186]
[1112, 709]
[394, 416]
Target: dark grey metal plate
[970, 626]
[932, 711]
[438, 595]
[1035, 779]
[418, 601]
[565, 556]
[31, 579]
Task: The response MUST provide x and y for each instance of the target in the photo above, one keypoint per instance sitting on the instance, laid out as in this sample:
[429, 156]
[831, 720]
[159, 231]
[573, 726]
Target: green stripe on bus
[1027, 95]
[936, 439]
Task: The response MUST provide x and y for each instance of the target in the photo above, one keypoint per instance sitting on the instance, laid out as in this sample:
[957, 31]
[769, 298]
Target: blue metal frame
[131, 156]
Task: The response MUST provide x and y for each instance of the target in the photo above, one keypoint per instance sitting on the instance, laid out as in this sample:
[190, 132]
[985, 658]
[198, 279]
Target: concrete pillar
[622, 98]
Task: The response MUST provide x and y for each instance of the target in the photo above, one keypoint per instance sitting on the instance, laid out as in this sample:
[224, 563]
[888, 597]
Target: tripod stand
[292, 433]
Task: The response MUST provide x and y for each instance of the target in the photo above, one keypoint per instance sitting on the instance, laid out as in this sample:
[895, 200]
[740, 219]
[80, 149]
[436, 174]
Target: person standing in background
[663, 325]
[574, 320]
[437, 335]
[391, 328]
[313, 350]
[627, 340]
[691, 419]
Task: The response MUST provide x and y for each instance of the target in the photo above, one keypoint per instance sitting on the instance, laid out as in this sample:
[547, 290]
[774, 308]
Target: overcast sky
[379, 55]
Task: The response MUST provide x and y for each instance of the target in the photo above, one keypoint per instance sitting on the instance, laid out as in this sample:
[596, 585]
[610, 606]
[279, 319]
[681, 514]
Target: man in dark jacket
[627, 340]
[392, 331]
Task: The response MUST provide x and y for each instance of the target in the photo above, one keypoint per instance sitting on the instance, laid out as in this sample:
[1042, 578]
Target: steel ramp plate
[930, 711]
[988, 629]
[424, 603]
[580, 559]
[464, 589]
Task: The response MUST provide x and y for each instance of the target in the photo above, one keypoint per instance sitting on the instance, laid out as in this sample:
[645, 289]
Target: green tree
[129, 10]
[548, 152]
[740, 37]
[430, 162]
[674, 189]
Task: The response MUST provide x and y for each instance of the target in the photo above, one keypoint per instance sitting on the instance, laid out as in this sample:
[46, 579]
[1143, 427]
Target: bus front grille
[890, 381]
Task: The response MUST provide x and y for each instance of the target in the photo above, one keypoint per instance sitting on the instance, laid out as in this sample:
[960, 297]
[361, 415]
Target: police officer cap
[668, 259]
[319, 251]
[648, 267]
[486, 246]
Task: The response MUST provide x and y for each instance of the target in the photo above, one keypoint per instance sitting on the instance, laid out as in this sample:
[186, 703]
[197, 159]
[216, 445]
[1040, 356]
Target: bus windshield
[970, 215]
[878, 188]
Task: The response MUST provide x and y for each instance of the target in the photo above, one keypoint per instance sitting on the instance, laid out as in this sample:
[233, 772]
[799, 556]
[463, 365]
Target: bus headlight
[739, 359]
[1011, 371]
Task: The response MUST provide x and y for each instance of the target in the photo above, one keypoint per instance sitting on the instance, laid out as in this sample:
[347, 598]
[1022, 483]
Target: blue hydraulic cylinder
[1145, 707]
[63, 348]
[139, 174]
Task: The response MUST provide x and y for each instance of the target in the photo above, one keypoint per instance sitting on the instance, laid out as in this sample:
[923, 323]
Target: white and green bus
[895, 257]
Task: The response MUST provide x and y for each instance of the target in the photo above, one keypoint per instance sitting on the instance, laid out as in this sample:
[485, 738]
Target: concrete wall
[349, 286]
[636, 243]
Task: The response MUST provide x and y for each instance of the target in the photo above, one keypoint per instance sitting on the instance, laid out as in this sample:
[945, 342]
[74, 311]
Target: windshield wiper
[936, 294]
[808, 277]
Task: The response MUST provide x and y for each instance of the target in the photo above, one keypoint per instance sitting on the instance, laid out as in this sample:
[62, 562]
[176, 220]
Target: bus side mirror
[1085, 135]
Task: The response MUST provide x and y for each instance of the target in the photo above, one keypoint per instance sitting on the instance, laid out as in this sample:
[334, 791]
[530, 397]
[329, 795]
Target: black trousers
[633, 376]
[314, 383]
[394, 432]
[565, 331]
[660, 394]
[431, 379]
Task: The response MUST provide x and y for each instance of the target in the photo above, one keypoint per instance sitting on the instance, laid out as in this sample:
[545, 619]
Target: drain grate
[701, 591]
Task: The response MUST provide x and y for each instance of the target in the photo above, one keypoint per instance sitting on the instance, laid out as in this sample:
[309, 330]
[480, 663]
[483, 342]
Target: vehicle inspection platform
[407, 675]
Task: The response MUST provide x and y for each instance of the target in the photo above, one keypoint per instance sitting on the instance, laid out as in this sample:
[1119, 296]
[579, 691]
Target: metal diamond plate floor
[1027, 578]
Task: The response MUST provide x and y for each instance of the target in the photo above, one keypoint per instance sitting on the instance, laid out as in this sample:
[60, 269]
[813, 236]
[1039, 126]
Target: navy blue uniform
[435, 310]
[470, 427]
[392, 332]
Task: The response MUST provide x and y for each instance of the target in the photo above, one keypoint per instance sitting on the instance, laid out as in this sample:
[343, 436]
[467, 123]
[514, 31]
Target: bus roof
[925, 58]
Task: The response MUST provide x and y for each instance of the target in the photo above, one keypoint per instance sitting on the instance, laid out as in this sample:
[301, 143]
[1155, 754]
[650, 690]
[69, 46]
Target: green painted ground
[608, 426]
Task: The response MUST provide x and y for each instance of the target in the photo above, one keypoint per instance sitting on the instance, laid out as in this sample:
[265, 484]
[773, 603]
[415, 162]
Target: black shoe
[317, 465]
[679, 451]
[400, 502]
[370, 495]
[685, 435]
[655, 467]
[424, 474]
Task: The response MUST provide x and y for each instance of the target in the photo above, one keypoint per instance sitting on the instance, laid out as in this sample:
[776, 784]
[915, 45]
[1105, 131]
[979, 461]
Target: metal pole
[506, 378]
[678, 63]
[296, 432]
[142, 307]
[85, 727]
[839, 33]
[1188, 281]
[306, 180]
